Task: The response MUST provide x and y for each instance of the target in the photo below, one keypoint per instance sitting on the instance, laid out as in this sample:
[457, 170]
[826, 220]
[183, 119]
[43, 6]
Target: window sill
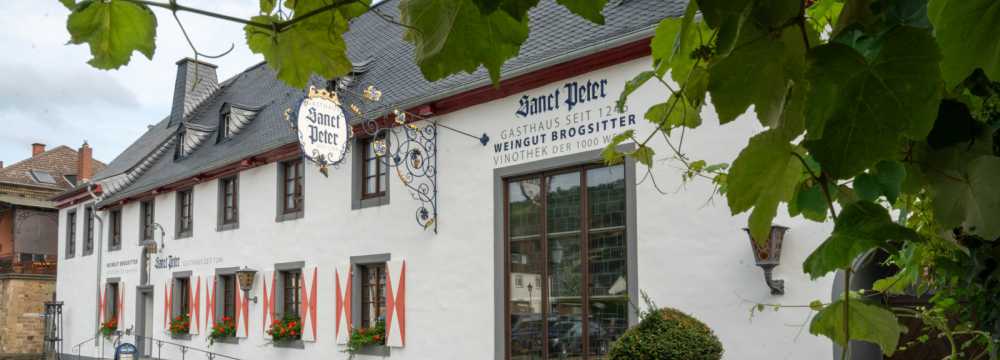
[227, 227]
[373, 202]
[180, 336]
[228, 340]
[374, 350]
[289, 216]
[116, 248]
[182, 235]
[289, 344]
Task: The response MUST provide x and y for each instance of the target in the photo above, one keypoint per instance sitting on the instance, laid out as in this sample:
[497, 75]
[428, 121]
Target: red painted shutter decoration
[194, 305]
[167, 305]
[101, 303]
[395, 303]
[120, 304]
[269, 302]
[210, 302]
[307, 309]
[242, 311]
[342, 278]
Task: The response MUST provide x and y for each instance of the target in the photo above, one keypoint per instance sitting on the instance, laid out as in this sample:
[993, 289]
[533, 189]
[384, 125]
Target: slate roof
[557, 35]
[58, 161]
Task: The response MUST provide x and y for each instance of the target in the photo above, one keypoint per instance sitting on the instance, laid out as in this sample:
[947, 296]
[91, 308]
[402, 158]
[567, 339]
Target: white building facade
[531, 237]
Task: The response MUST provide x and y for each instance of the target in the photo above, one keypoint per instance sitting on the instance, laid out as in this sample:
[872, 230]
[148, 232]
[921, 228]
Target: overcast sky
[49, 94]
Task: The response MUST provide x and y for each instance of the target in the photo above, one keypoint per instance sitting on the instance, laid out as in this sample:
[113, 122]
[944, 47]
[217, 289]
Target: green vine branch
[280, 26]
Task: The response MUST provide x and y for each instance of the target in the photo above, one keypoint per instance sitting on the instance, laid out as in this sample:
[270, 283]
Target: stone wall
[22, 299]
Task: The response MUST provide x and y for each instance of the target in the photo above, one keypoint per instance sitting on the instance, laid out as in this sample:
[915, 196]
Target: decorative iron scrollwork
[411, 151]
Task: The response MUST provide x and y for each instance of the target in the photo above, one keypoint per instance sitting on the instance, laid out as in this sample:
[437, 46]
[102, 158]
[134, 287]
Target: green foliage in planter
[224, 329]
[362, 337]
[108, 328]
[288, 329]
[667, 334]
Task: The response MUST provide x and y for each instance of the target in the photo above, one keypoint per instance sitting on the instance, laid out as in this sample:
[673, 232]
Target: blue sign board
[126, 351]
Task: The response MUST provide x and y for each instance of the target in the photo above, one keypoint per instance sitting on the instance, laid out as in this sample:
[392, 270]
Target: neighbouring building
[527, 247]
[28, 236]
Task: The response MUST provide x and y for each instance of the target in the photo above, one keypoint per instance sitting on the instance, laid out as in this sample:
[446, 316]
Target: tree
[871, 107]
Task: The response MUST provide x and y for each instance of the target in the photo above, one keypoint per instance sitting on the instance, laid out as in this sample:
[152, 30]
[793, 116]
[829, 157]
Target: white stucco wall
[692, 254]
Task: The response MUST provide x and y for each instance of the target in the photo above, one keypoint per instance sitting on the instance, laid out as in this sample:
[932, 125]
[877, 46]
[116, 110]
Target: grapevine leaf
[643, 154]
[867, 187]
[69, 4]
[728, 17]
[696, 86]
[897, 283]
[452, 36]
[302, 50]
[267, 6]
[759, 72]
[631, 86]
[673, 114]
[518, 9]
[775, 13]
[697, 165]
[587, 9]
[846, 195]
[763, 175]
[113, 29]
[907, 12]
[808, 201]
[859, 111]
[867, 322]
[674, 44]
[862, 226]
[890, 176]
[967, 194]
[967, 32]
[856, 13]
[611, 154]
[823, 13]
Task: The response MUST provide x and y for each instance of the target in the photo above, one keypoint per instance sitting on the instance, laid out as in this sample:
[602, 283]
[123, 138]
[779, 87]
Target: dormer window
[233, 118]
[179, 150]
[189, 137]
[225, 126]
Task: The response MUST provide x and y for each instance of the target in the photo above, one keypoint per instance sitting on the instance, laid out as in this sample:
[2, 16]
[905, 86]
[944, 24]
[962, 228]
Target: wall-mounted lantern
[767, 255]
[245, 277]
[149, 245]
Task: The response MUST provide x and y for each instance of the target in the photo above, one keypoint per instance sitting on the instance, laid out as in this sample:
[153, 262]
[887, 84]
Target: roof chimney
[37, 148]
[196, 81]
[85, 163]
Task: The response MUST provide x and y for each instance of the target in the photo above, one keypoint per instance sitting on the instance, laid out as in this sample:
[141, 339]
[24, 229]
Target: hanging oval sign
[322, 126]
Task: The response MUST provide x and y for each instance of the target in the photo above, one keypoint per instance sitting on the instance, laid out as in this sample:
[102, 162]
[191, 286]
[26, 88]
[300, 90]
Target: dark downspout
[100, 251]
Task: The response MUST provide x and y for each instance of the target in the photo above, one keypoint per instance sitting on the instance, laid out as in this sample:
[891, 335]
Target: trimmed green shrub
[667, 334]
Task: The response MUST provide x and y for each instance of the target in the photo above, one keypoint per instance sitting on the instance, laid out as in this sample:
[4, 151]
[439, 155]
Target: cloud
[27, 89]
[49, 94]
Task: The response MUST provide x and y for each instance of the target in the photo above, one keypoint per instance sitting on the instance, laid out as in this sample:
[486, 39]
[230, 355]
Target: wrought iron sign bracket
[412, 151]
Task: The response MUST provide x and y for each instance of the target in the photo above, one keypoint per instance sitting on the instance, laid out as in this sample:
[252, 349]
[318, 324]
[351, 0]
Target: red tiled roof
[59, 161]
